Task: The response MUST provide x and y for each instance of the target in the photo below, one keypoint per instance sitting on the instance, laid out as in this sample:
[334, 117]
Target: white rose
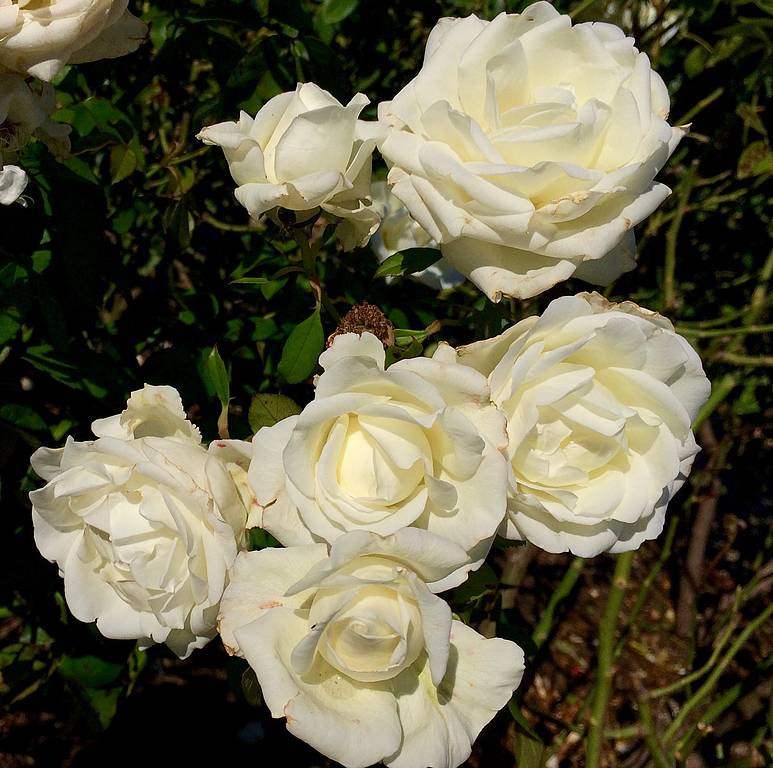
[528, 147]
[599, 399]
[360, 656]
[398, 232]
[13, 181]
[418, 444]
[25, 112]
[303, 151]
[143, 522]
[40, 37]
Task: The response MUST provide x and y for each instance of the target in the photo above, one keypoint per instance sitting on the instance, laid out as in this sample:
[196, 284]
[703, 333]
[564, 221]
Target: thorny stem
[605, 671]
[672, 236]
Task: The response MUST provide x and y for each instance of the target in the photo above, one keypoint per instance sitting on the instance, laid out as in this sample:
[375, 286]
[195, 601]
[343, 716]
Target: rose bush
[39, 37]
[143, 522]
[398, 232]
[417, 444]
[528, 147]
[599, 399]
[305, 152]
[358, 653]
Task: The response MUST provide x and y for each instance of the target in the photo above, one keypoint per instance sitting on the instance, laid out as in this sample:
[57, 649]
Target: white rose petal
[13, 181]
[144, 522]
[360, 656]
[418, 444]
[40, 37]
[527, 147]
[398, 232]
[305, 152]
[599, 399]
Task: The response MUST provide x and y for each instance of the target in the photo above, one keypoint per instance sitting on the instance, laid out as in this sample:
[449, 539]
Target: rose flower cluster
[525, 150]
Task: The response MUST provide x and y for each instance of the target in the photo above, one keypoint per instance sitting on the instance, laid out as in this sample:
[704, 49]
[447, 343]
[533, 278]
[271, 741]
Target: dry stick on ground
[692, 574]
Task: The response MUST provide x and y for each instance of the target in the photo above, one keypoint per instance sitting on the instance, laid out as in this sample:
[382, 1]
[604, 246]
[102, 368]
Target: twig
[755, 361]
[691, 576]
[713, 678]
[560, 593]
[605, 671]
[706, 334]
[672, 236]
[650, 735]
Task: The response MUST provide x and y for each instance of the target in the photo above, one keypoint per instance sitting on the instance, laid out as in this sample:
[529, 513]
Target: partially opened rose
[416, 444]
[359, 654]
[39, 37]
[599, 399]
[305, 152]
[144, 522]
[527, 148]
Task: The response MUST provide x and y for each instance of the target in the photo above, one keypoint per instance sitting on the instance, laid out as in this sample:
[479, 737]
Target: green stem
[672, 236]
[605, 671]
[650, 735]
[718, 395]
[701, 334]
[560, 593]
[713, 678]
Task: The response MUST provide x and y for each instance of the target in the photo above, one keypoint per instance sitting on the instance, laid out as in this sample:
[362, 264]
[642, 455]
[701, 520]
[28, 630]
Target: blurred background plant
[131, 262]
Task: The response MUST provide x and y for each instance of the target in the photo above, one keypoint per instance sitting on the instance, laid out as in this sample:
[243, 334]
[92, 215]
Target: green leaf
[408, 261]
[755, 160]
[334, 11]
[260, 539]
[123, 162]
[695, 61]
[89, 671]
[302, 349]
[267, 410]
[528, 752]
[22, 417]
[479, 583]
[251, 688]
[104, 703]
[217, 376]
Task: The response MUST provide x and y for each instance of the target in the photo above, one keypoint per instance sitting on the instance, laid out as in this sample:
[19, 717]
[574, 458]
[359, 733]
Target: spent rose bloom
[418, 444]
[305, 152]
[356, 650]
[39, 37]
[144, 522]
[398, 232]
[527, 147]
[599, 399]
[13, 181]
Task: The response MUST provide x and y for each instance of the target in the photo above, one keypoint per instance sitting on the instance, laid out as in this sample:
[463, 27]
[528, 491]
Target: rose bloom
[418, 444]
[305, 152]
[39, 37]
[144, 522]
[599, 399]
[358, 653]
[527, 148]
[398, 232]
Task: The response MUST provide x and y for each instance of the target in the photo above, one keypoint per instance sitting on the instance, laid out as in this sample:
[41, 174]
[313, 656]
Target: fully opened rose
[417, 444]
[599, 399]
[527, 148]
[39, 37]
[358, 653]
[305, 152]
[144, 522]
